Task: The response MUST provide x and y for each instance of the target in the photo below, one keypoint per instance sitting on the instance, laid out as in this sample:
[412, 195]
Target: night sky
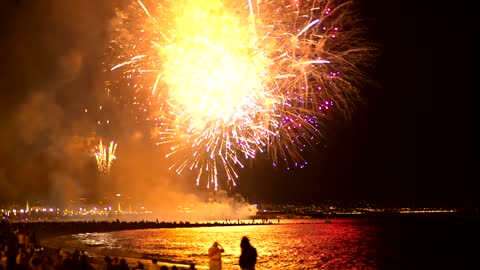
[411, 141]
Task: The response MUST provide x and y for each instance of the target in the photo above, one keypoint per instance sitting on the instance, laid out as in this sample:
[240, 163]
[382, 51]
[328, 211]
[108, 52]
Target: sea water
[407, 242]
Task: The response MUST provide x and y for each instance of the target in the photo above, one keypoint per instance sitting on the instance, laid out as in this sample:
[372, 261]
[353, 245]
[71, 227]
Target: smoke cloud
[50, 71]
[53, 112]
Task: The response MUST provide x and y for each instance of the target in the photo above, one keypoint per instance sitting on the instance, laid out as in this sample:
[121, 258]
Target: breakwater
[47, 229]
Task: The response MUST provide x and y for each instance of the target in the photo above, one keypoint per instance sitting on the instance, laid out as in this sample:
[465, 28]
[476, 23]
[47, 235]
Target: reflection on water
[406, 242]
[300, 244]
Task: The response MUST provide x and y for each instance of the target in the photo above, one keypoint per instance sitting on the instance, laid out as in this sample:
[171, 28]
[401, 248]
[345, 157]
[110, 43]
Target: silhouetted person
[248, 258]
[83, 263]
[139, 266]
[76, 256]
[115, 262]
[107, 263]
[57, 259]
[22, 259]
[122, 265]
[10, 263]
[68, 264]
[154, 265]
[36, 263]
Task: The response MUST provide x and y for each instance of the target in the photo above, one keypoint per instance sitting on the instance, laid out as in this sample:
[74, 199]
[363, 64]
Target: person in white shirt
[154, 265]
[215, 256]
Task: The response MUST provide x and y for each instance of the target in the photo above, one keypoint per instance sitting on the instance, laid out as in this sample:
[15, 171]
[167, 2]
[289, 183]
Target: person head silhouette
[245, 243]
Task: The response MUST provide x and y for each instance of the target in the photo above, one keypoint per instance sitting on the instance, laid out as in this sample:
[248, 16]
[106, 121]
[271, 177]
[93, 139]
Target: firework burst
[227, 80]
[105, 155]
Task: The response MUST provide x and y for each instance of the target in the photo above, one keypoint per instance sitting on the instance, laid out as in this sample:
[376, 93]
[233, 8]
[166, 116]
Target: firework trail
[105, 155]
[227, 80]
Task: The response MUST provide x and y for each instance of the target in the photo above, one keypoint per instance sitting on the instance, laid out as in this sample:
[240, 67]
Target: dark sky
[411, 142]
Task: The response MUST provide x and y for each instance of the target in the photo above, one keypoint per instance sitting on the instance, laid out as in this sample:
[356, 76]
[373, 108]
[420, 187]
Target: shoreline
[97, 260]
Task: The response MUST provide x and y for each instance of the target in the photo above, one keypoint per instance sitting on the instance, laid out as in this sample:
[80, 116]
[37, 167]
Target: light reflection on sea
[293, 244]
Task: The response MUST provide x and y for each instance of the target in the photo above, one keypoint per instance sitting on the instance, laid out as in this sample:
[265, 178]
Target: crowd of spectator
[19, 250]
